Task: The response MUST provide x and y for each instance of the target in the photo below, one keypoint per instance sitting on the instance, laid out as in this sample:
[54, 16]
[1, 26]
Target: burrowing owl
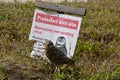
[56, 56]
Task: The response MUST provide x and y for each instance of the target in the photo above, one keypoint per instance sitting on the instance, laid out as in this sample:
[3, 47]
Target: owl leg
[57, 69]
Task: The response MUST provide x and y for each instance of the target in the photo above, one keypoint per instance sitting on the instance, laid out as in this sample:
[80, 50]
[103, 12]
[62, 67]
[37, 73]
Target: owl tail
[71, 62]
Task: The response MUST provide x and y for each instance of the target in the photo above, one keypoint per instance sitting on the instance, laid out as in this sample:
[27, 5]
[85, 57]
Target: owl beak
[45, 44]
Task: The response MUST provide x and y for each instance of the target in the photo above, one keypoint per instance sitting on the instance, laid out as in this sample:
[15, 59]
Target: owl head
[49, 44]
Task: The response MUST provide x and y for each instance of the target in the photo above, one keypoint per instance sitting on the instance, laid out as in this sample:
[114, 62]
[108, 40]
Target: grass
[97, 51]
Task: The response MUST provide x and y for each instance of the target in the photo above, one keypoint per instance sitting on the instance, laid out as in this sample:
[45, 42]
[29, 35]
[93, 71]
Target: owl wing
[56, 56]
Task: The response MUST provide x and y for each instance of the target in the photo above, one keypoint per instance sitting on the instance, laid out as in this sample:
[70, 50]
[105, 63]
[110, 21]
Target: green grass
[97, 51]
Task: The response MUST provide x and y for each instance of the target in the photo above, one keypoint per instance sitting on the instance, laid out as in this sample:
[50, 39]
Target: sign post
[61, 29]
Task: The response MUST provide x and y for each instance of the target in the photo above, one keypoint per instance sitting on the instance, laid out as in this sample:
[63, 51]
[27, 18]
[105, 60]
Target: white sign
[61, 29]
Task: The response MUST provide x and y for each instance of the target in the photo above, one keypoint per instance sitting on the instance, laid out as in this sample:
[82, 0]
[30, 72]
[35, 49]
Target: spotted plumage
[56, 56]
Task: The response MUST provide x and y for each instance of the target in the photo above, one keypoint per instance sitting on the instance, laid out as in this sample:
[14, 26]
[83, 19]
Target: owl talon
[56, 70]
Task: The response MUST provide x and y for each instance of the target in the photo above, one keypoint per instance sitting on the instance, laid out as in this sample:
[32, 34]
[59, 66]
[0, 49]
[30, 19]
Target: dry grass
[97, 51]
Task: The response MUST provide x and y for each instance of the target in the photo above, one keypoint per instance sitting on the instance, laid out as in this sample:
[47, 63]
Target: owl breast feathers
[56, 56]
